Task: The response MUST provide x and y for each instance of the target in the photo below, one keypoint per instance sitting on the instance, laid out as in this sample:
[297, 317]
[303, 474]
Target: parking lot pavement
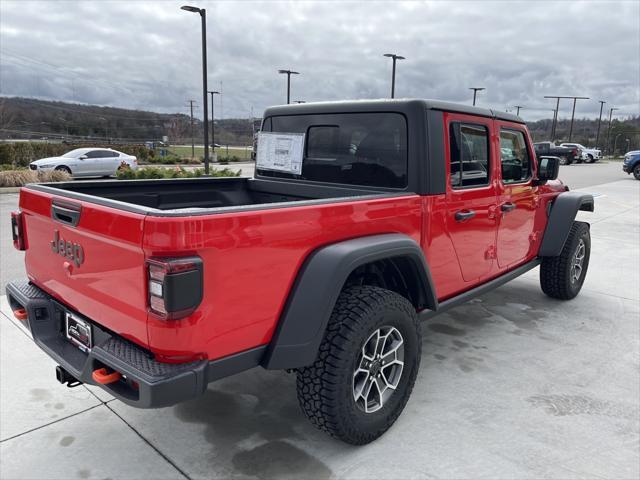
[512, 385]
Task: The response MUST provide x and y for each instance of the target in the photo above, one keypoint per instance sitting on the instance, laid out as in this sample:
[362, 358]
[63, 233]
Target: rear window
[366, 149]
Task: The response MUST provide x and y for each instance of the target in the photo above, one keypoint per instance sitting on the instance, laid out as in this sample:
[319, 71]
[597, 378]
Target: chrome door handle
[464, 215]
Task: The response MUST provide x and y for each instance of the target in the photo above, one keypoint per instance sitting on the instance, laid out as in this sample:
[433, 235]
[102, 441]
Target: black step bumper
[146, 383]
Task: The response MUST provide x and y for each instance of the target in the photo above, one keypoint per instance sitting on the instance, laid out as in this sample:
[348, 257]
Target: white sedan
[87, 162]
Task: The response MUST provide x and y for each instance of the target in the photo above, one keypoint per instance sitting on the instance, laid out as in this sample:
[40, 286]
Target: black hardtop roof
[396, 104]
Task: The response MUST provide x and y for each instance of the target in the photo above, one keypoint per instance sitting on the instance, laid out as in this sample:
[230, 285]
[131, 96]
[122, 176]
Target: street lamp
[475, 92]
[609, 129]
[203, 16]
[394, 57]
[213, 125]
[289, 73]
[602, 102]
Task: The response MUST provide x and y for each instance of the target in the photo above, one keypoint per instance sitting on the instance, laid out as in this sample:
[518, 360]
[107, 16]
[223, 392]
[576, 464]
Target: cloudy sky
[146, 55]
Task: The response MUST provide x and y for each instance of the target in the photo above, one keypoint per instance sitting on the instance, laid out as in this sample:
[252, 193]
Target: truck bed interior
[205, 193]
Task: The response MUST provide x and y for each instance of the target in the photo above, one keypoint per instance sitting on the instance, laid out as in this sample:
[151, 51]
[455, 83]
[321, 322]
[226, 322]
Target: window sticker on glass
[280, 151]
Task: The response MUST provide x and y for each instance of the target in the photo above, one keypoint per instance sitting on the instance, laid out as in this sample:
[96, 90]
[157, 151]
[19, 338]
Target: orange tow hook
[103, 377]
[20, 314]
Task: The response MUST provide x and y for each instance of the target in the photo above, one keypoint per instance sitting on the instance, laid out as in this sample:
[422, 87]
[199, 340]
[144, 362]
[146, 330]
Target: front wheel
[590, 158]
[564, 161]
[366, 367]
[636, 172]
[63, 168]
[562, 277]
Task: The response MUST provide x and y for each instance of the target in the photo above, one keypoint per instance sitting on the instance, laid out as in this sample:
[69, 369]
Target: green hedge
[177, 172]
[20, 154]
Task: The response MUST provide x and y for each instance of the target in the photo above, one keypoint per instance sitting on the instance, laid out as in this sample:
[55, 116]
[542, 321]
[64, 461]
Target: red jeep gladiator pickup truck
[363, 219]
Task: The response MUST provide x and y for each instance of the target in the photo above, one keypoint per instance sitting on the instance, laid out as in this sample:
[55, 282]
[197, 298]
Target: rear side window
[469, 160]
[514, 157]
[366, 149]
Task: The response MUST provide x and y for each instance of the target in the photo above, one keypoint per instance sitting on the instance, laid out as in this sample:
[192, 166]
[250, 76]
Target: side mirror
[548, 168]
[82, 157]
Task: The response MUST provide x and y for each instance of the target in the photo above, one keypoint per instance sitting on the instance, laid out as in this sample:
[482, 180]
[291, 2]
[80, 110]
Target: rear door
[517, 202]
[471, 194]
[90, 258]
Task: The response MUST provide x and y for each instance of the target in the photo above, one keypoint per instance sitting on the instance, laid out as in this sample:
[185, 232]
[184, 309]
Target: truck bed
[176, 197]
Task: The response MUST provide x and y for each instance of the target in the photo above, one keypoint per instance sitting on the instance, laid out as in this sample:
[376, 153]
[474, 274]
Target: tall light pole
[609, 129]
[602, 102]
[395, 58]
[555, 116]
[475, 92]
[193, 144]
[573, 114]
[213, 125]
[203, 17]
[288, 73]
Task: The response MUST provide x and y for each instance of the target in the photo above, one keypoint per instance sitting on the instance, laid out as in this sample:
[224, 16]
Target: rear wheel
[562, 276]
[366, 366]
[63, 168]
[636, 171]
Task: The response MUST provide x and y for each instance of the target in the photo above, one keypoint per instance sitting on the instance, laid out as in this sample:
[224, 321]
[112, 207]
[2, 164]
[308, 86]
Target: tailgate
[90, 258]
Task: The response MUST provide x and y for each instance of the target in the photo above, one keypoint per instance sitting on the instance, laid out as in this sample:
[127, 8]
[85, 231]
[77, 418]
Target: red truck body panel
[250, 262]
[109, 286]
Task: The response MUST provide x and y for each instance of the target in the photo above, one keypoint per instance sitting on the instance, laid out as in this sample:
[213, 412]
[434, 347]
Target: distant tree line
[27, 118]
[585, 130]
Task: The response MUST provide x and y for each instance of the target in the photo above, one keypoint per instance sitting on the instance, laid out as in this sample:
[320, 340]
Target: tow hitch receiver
[104, 377]
[20, 314]
[65, 377]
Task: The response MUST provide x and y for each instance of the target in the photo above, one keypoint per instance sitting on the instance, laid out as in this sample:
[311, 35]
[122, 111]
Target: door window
[514, 157]
[469, 163]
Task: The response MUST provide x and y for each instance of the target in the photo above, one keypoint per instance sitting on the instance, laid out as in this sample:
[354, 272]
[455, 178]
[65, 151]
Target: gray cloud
[146, 55]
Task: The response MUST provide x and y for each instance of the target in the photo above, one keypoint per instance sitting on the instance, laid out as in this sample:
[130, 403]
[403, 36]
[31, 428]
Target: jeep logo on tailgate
[65, 248]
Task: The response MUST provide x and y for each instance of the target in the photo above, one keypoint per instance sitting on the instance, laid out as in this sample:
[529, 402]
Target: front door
[471, 195]
[517, 202]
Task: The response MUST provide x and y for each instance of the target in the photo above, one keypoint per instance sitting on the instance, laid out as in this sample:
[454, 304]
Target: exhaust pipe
[65, 377]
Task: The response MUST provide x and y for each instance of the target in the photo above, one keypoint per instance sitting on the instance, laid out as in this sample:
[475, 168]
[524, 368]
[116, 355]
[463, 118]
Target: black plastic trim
[480, 290]
[436, 174]
[563, 213]
[66, 213]
[318, 284]
[158, 384]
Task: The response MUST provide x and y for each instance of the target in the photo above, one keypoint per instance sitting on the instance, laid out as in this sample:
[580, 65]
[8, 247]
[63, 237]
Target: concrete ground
[512, 385]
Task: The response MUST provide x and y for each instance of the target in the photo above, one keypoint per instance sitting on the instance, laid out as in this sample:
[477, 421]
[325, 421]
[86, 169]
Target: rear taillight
[174, 286]
[17, 230]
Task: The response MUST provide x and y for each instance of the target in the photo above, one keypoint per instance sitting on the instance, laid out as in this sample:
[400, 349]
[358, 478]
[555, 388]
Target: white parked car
[589, 155]
[87, 162]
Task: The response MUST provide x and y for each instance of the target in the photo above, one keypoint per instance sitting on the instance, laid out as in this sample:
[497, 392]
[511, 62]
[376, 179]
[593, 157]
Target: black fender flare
[563, 213]
[316, 289]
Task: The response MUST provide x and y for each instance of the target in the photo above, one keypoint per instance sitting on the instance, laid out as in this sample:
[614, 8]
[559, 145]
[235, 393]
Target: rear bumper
[145, 382]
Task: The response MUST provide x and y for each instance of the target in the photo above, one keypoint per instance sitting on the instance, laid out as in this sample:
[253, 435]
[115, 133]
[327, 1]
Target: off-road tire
[325, 388]
[63, 168]
[556, 278]
[636, 172]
